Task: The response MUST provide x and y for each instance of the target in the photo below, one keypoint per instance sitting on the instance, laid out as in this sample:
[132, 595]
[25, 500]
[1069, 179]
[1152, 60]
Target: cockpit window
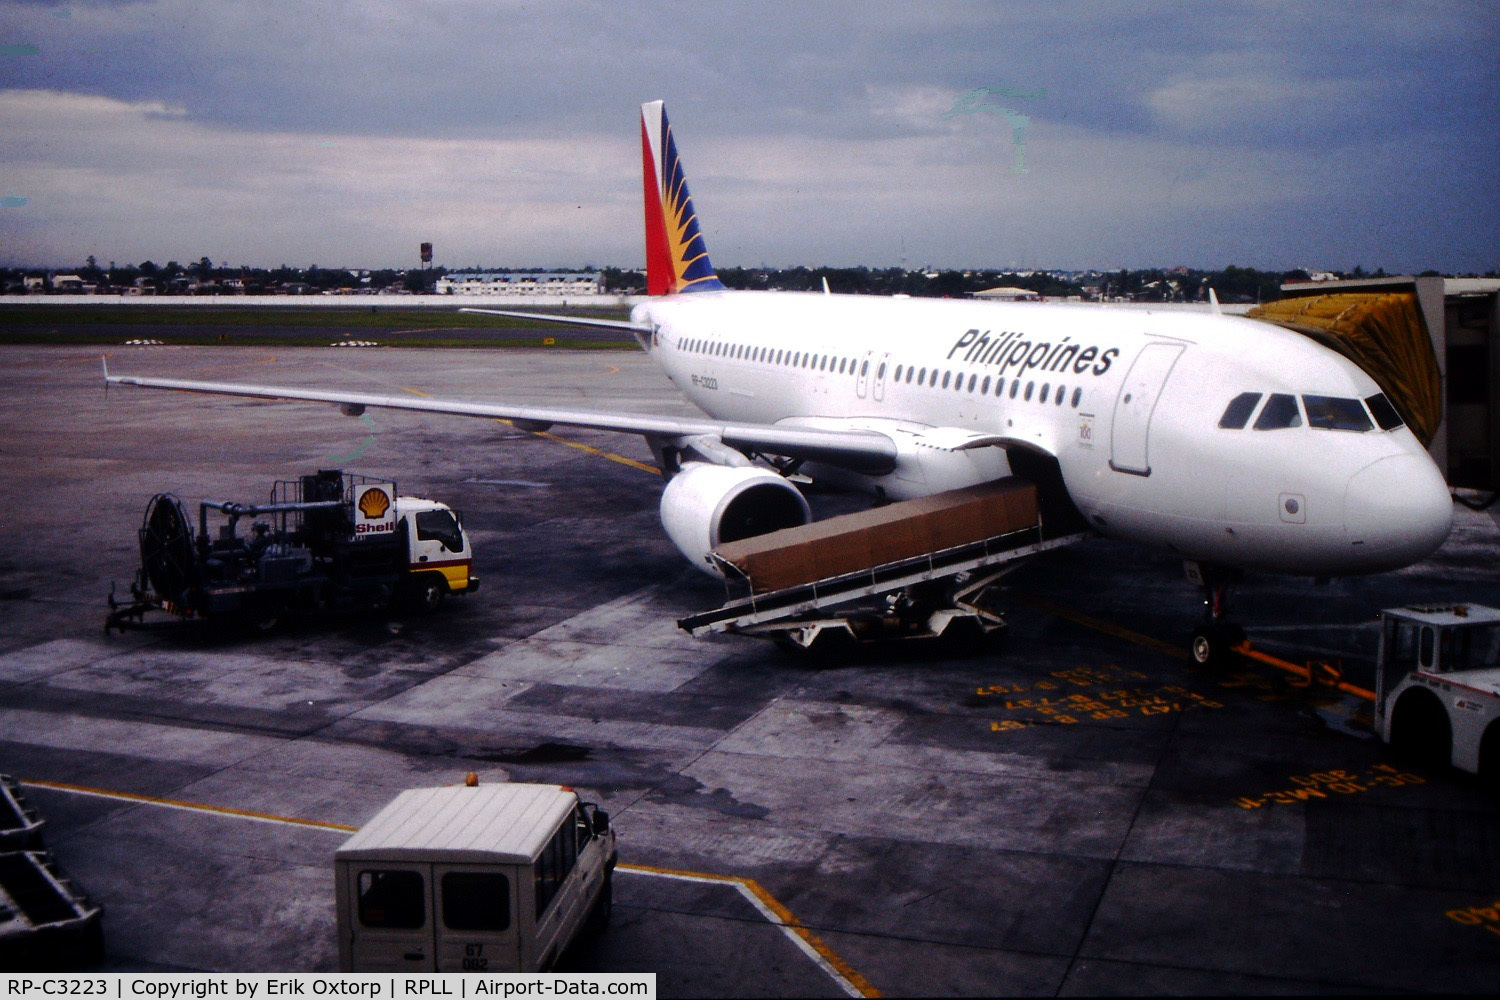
[1336, 414]
[1237, 413]
[1280, 412]
[1385, 414]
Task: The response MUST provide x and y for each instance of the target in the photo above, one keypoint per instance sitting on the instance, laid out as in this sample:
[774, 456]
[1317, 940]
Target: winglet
[1213, 303]
[676, 256]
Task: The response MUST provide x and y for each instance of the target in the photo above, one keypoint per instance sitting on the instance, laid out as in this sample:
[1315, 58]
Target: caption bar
[259, 986]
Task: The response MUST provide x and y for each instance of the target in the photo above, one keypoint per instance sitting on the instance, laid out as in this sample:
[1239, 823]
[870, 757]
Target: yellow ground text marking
[767, 905]
[1487, 917]
[1332, 783]
[1049, 702]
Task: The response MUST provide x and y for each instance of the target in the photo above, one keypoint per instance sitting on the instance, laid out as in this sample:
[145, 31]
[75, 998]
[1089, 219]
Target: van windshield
[440, 526]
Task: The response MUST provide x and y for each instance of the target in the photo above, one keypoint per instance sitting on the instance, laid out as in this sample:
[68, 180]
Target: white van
[493, 878]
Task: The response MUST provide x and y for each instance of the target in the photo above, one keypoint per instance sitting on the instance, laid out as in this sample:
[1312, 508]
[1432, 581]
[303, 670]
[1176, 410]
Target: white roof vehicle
[494, 878]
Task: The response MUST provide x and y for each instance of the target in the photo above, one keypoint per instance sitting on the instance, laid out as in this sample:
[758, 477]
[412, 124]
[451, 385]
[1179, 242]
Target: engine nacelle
[705, 505]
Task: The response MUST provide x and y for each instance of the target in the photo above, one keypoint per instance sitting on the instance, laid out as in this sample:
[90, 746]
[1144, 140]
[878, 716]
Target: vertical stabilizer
[676, 257]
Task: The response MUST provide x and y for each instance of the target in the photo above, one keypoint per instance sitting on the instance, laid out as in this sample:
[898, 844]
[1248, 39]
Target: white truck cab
[1437, 685]
[440, 558]
[493, 878]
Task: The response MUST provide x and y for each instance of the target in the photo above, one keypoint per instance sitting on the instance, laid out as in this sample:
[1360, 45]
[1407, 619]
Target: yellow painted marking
[545, 436]
[589, 450]
[1327, 784]
[769, 906]
[1100, 625]
[190, 806]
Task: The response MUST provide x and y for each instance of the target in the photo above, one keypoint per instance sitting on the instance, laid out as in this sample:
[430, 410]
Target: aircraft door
[1130, 430]
[862, 375]
[881, 370]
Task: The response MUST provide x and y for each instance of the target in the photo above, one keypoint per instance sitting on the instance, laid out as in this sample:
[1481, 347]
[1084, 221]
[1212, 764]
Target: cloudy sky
[1060, 134]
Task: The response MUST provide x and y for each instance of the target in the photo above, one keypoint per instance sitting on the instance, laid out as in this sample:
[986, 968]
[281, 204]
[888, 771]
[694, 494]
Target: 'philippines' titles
[1009, 350]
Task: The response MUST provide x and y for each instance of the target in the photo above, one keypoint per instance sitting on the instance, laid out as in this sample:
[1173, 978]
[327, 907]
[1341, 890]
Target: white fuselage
[1128, 402]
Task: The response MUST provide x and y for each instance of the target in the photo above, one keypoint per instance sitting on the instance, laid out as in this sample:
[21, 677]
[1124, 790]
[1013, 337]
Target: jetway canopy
[1406, 332]
[1382, 333]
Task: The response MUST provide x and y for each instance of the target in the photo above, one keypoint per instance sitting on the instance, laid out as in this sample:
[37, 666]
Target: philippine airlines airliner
[1229, 442]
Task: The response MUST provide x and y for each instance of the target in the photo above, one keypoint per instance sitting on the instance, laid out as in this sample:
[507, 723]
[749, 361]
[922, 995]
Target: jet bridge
[907, 570]
[1433, 346]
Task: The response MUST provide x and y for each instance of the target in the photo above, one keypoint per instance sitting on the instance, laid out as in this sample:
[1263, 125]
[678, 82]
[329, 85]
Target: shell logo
[373, 504]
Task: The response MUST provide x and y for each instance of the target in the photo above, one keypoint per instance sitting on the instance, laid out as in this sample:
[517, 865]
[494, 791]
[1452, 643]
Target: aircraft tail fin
[676, 256]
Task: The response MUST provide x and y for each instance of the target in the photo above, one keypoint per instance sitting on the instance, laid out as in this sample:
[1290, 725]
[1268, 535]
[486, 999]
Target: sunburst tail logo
[676, 256]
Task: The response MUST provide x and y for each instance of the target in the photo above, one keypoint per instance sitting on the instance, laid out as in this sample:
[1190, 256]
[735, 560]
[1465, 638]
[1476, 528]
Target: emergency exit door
[1130, 432]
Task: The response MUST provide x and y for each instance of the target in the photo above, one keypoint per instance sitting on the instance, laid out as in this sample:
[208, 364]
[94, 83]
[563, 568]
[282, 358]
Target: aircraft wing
[860, 450]
[602, 324]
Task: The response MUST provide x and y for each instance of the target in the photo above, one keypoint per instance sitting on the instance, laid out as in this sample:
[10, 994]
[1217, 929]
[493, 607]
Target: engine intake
[706, 505]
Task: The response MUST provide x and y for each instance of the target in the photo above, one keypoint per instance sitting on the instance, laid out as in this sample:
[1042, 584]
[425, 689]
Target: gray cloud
[1327, 134]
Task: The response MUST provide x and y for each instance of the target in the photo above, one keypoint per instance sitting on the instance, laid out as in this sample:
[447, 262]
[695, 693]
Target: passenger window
[1237, 413]
[392, 899]
[440, 526]
[1280, 413]
[972, 380]
[476, 901]
[1077, 396]
[1061, 392]
[1385, 414]
[1046, 388]
[947, 376]
[864, 369]
[999, 386]
[1013, 387]
[880, 372]
[1029, 387]
[984, 387]
[898, 373]
[1334, 413]
[554, 865]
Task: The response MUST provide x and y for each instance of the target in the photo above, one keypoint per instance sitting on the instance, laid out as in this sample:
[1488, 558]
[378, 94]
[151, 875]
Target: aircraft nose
[1397, 510]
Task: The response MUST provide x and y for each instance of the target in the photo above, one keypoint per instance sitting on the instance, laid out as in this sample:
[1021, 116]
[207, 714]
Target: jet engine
[705, 505]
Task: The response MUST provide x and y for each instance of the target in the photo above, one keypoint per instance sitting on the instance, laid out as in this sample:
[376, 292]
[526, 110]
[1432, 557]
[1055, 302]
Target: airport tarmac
[1070, 809]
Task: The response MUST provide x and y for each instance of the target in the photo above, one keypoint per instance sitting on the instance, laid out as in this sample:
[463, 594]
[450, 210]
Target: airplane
[1231, 443]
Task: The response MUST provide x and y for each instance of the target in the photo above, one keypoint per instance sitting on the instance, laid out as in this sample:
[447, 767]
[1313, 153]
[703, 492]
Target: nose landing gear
[1216, 637]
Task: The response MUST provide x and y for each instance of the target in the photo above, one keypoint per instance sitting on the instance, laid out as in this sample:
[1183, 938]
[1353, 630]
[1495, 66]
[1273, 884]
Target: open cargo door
[1385, 335]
